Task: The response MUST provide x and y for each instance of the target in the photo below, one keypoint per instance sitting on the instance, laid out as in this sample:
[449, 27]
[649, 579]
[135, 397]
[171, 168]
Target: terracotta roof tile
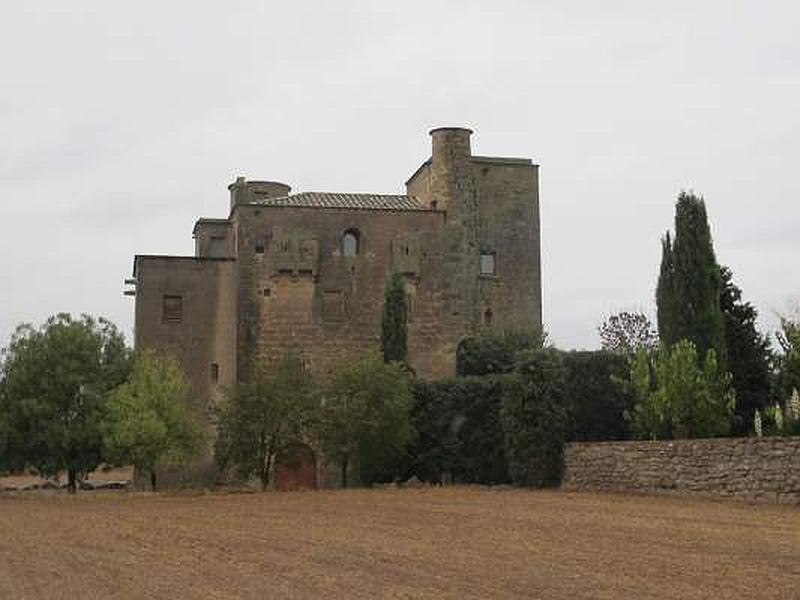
[353, 201]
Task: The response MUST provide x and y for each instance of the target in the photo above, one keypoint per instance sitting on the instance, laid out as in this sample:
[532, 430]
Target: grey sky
[120, 123]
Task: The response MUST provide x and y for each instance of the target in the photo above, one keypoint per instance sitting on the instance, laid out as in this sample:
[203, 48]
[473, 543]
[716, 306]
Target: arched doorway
[295, 468]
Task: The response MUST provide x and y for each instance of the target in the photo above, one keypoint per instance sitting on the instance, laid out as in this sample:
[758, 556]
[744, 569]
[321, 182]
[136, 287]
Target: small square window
[487, 263]
[172, 309]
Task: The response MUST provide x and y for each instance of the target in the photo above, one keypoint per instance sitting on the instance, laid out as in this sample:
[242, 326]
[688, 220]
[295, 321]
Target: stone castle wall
[332, 308]
[749, 469]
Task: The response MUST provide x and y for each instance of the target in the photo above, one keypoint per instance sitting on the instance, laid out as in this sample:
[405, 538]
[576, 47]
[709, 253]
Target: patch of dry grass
[395, 543]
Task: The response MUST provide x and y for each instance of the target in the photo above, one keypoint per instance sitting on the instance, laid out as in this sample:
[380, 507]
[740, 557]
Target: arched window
[350, 243]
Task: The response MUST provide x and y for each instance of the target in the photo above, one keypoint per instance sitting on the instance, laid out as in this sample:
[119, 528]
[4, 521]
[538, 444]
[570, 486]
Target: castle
[308, 270]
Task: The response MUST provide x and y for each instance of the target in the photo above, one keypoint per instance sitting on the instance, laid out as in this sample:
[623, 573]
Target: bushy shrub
[535, 418]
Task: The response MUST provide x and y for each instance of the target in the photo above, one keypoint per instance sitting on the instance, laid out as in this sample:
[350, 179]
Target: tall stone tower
[490, 242]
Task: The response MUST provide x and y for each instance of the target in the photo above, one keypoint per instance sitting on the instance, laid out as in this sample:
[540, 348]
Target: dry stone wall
[749, 469]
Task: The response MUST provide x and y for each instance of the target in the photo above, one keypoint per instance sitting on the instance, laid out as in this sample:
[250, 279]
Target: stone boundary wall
[748, 469]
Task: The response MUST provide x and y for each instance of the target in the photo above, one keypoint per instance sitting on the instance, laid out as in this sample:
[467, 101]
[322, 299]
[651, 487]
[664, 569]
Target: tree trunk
[263, 461]
[153, 480]
[265, 476]
[72, 478]
[345, 462]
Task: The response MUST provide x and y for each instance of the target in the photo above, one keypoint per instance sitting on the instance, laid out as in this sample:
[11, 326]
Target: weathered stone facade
[749, 469]
[307, 271]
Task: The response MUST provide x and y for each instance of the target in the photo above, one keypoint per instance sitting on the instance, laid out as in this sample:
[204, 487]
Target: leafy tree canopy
[627, 333]
[366, 417]
[277, 406]
[149, 422]
[56, 381]
[678, 399]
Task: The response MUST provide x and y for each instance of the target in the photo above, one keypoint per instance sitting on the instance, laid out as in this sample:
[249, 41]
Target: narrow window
[487, 317]
[350, 243]
[172, 309]
[214, 372]
[487, 263]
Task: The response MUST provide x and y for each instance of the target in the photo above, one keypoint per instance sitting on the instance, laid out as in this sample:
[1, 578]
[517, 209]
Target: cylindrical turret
[247, 192]
[451, 171]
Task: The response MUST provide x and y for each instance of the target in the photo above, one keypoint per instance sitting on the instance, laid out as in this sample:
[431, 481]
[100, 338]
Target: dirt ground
[413, 543]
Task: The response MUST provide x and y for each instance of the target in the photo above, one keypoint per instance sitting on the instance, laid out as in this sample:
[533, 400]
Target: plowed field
[412, 543]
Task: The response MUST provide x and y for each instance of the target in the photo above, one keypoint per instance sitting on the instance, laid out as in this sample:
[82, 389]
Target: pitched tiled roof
[352, 201]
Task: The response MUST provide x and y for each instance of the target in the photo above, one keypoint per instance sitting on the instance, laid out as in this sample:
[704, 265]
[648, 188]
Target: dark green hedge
[574, 395]
[458, 421]
[535, 418]
[597, 399]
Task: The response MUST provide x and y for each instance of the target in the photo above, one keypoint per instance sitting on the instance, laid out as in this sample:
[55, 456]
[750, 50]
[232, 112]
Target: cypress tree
[665, 294]
[688, 294]
[394, 326]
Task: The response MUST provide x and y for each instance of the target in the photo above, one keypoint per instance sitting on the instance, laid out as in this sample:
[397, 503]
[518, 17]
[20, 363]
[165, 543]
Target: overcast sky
[121, 123]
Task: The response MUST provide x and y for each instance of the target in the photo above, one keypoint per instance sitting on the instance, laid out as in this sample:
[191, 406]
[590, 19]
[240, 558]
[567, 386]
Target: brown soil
[421, 543]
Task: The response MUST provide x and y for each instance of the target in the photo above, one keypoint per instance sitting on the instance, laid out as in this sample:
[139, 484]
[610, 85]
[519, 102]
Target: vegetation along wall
[750, 469]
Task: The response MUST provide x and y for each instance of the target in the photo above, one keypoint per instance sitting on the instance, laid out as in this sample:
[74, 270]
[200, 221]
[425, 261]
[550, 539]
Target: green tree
[366, 417]
[678, 399]
[394, 325]
[535, 419]
[148, 422]
[56, 380]
[627, 333]
[688, 291]
[665, 293]
[749, 355]
[275, 407]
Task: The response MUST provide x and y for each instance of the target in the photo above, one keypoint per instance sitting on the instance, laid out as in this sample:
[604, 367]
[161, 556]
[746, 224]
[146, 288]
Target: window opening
[350, 243]
[488, 263]
[214, 372]
[172, 309]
